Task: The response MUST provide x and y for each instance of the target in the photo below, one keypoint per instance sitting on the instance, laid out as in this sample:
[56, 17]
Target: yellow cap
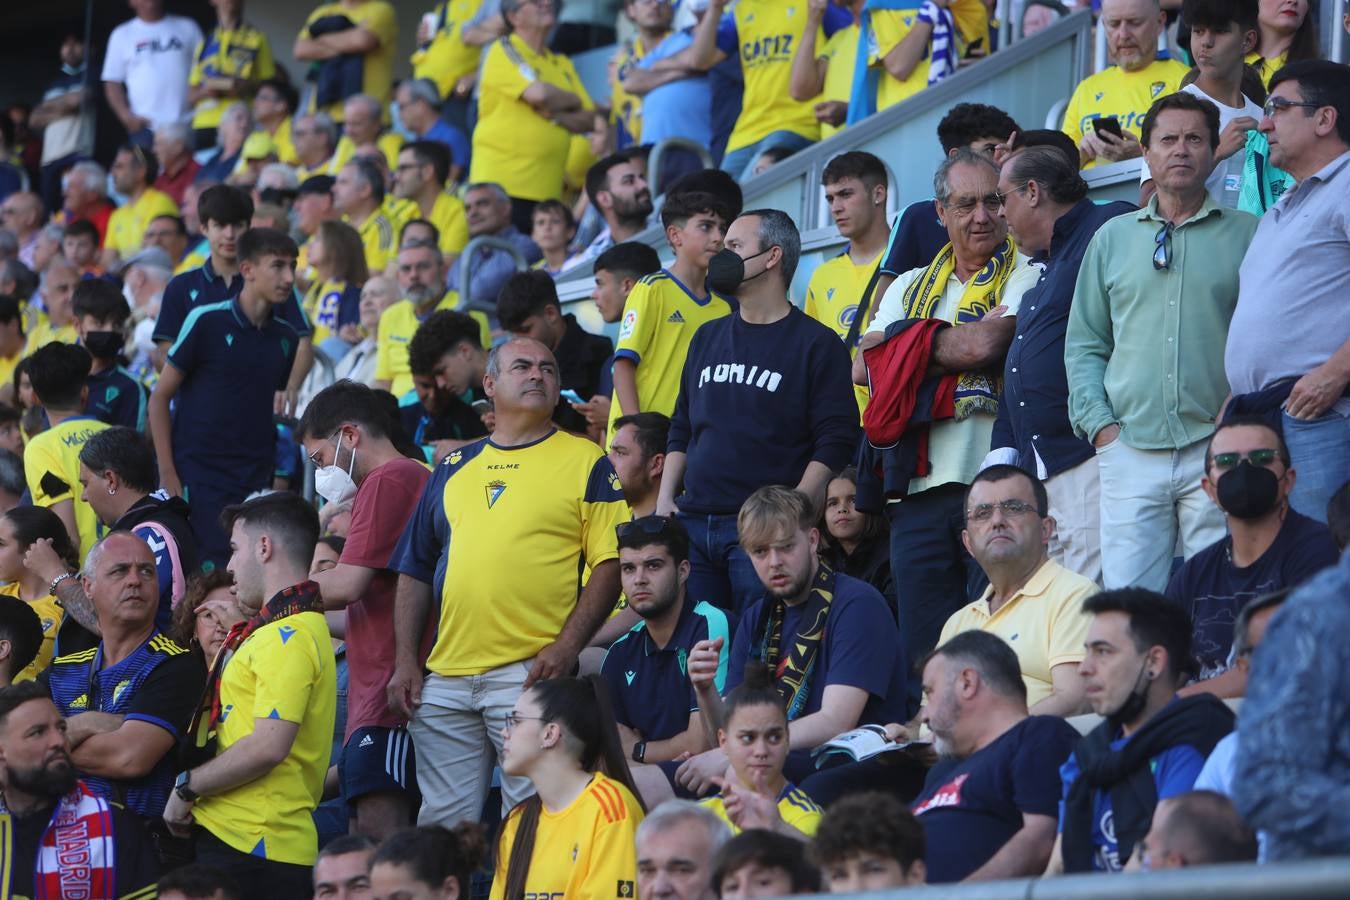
[259, 146]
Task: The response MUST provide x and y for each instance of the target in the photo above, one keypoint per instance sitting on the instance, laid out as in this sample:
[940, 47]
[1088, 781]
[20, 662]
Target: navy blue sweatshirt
[757, 404]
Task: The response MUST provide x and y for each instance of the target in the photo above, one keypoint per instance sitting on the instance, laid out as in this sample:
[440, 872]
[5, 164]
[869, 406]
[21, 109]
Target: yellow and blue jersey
[127, 224]
[797, 810]
[833, 296]
[51, 465]
[764, 35]
[242, 53]
[1125, 95]
[331, 304]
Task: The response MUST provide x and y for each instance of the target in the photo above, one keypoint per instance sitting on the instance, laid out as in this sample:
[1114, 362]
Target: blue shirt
[1033, 410]
[679, 109]
[453, 138]
[201, 286]
[222, 428]
[160, 683]
[490, 269]
[649, 685]
[116, 397]
[916, 238]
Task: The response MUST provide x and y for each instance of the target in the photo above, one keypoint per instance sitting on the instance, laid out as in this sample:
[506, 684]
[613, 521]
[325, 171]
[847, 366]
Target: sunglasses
[1260, 458]
[651, 526]
[1162, 252]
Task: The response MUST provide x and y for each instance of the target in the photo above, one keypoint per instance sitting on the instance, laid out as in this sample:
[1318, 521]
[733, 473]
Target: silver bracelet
[56, 582]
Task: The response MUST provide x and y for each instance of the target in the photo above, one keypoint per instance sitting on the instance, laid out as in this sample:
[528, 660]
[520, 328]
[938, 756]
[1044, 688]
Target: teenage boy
[51, 461]
[1222, 33]
[101, 314]
[554, 228]
[79, 245]
[227, 363]
[665, 309]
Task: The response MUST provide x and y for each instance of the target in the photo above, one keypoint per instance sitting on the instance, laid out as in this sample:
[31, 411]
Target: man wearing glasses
[1284, 351]
[1143, 349]
[1269, 546]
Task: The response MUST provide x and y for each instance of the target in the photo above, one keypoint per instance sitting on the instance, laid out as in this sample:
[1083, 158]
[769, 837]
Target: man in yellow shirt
[1032, 602]
[846, 285]
[369, 36]
[527, 492]
[361, 131]
[421, 280]
[58, 294]
[1126, 90]
[420, 176]
[274, 111]
[358, 194]
[316, 140]
[822, 68]
[133, 172]
[652, 19]
[228, 64]
[450, 47]
[273, 720]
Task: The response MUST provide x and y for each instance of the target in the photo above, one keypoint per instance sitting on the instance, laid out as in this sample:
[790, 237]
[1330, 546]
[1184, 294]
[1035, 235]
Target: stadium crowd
[340, 560]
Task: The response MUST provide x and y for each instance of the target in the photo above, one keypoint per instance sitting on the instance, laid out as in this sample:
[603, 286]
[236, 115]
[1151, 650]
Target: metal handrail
[484, 242]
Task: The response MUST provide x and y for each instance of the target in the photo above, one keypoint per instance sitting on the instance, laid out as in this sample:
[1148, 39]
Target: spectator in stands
[352, 41]
[1283, 360]
[194, 882]
[134, 171]
[842, 293]
[58, 290]
[676, 843]
[232, 134]
[315, 137]
[652, 21]
[79, 246]
[22, 214]
[655, 705]
[760, 34]
[663, 310]
[219, 444]
[760, 863]
[101, 314]
[1197, 828]
[638, 453]
[1288, 33]
[834, 678]
[108, 847]
[1221, 32]
[258, 825]
[128, 702]
[430, 861]
[358, 194]
[333, 301]
[1049, 214]
[794, 423]
[385, 486]
[1125, 91]
[342, 869]
[825, 70]
[362, 131]
[1032, 602]
[422, 174]
[419, 104]
[488, 209]
[22, 529]
[617, 188]
[869, 842]
[553, 231]
[313, 205]
[975, 282]
[227, 68]
[146, 68]
[177, 168]
[1039, 15]
[560, 505]
[168, 233]
[449, 49]
[1151, 745]
[989, 807]
[560, 735]
[530, 103]
[66, 122]
[528, 306]
[12, 484]
[903, 41]
[274, 105]
[50, 460]
[208, 611]
[421, 281]
[1146, 381]
[358, 364]
[1269, 546]
[85, 196]
[447, 407]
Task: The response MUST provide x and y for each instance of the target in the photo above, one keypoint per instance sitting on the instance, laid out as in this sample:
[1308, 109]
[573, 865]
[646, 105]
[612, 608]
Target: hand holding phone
[1107, 125]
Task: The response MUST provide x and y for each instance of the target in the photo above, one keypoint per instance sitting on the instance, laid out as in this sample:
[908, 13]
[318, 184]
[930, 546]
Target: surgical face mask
[1247, 491]
[104, 344]
[333, 483]
[726, 271]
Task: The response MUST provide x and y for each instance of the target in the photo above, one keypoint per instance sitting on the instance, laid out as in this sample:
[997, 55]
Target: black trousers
[258, 878]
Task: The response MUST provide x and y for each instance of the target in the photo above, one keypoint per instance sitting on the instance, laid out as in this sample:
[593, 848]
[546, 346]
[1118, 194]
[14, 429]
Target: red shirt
[384, 503]
[176, 185]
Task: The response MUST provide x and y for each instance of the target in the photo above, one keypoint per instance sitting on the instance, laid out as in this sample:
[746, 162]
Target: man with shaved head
[499, 530]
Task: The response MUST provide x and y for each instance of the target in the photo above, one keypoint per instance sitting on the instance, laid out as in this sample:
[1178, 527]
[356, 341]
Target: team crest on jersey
[454, 458]
[624, 889]
[628, 324]
[1156, 88]
[495, 489]
[119, 690]
[614, 483]
[847, 314]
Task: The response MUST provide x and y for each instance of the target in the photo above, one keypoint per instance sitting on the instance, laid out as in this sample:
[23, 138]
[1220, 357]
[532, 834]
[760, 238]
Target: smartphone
[1108, 124]
[571, 396]
[481, 406]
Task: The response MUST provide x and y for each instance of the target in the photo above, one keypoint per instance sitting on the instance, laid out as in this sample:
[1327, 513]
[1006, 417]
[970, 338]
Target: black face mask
[1134, 704]
[104, 344]
[1247, 491]
[726, 271]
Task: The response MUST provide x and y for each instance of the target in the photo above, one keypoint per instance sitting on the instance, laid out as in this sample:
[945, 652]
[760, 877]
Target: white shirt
[153, 60]
[1225, 182]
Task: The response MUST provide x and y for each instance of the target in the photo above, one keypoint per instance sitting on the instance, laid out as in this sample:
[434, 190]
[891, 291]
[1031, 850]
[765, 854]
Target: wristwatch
[181, 788]
[640, 751]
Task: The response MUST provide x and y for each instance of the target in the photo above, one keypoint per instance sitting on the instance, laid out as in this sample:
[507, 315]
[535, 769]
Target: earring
[112, 491]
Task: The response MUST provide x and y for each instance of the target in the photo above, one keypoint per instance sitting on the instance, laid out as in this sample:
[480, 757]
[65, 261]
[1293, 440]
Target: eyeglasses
[1162, 253]
[1259, 458]
[1012, 509]
[513, 719]
[314, 457]
[651, 526]
[992, 203]
[1280, 104]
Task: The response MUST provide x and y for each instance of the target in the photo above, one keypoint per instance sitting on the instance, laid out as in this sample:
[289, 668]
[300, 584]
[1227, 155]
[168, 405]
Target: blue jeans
[720, 572]
[740, 163]
[1320, 452]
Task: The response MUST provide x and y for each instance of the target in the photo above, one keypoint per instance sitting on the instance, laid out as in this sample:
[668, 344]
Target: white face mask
[334, 484]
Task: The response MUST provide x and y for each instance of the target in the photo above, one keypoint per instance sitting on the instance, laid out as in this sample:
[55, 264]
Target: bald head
[22, 213]
[522, 379]
[1198, 828]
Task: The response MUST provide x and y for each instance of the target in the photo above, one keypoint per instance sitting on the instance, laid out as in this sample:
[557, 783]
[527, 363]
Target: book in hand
[858, 744]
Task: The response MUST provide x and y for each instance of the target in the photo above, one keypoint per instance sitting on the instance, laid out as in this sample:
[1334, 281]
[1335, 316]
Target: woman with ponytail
[575, 837]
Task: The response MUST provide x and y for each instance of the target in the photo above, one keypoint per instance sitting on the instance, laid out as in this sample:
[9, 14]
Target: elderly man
[1143, 349]
[177, 168]
[362, 130]
[419, 105]
[1032, 602]
[534, 493]
[1124, 91]
[128, 702]
[1282, 349]
[358, 194]
[21, 213]
[975, 283]
[488, 209]
[676, 844]
[421, 282]
[315, 138]
[1045, 202]
[84, 195]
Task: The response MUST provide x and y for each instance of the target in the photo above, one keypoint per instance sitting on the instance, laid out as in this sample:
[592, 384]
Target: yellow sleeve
[812, 307]
[287, 667]
[503, 76]
[195, 76]
[972, 20]
[39, 461]
[952, 627]
[800, 811]
[1068, 627]
[318, 13]
[888, 30]
[637, 328]
[1073, 113]
[380, 20]
[455, 231]
[264, 66]
[384, 349]
[504, 842]
[390, 143]
[613, 857]
[603, 509]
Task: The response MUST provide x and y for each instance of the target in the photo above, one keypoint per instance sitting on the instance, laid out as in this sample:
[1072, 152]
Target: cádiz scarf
[793, 670]
[976, 392]
[77, 856]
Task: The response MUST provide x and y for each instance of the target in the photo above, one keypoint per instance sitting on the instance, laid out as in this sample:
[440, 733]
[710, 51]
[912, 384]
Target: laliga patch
[629, 323]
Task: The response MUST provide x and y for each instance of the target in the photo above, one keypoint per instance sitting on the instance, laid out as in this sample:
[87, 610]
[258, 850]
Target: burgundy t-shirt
[383, 505]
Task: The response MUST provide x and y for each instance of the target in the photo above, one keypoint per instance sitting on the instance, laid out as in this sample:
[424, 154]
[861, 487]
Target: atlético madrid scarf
[77, 856]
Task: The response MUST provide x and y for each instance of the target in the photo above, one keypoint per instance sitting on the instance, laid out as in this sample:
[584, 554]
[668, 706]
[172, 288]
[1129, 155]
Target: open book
[861, 743]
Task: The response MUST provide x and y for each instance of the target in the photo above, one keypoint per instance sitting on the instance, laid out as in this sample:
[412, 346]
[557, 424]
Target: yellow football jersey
[447, 58]
[127, 224]
[832, 299]
[766, 35]
[51, 465]
[51, 614]
[1125, 95]
[378, 237]
[44, 333]
[797, 810]
[625, 110]
[1266, 68]
[447, 214]
[377, 66]
[243, 53]
[398, 324]
[842, 52]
